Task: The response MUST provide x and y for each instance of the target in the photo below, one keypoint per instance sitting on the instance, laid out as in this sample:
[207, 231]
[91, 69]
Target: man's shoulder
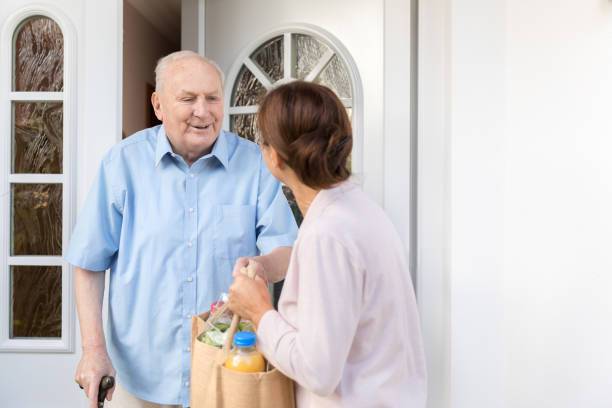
[143, 139]
[241, 147]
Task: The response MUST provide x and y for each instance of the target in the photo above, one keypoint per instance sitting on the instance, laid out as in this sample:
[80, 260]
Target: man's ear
[157, 106]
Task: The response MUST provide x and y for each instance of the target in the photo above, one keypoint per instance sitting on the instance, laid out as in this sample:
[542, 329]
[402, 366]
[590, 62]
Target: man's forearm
[275, 263]
[89, 288]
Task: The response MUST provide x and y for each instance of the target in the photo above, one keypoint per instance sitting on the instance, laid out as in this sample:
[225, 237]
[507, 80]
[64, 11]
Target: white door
[59, 74]
[348, 45]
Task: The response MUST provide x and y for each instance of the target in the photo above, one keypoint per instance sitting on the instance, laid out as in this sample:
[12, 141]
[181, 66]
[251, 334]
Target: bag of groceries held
[213, 384]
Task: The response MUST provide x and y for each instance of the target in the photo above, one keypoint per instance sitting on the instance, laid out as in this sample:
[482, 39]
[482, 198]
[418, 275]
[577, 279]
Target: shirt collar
[163, 145]
[219, 150]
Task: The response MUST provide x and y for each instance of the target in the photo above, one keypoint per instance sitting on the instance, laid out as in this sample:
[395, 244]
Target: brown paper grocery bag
[214, 386]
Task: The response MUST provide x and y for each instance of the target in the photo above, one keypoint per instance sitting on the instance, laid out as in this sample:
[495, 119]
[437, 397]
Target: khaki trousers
[123, 399]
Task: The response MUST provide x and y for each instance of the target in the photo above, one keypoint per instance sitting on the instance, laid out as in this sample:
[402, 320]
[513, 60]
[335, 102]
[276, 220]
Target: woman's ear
[157, 106]
[273, 158]
[278, 160]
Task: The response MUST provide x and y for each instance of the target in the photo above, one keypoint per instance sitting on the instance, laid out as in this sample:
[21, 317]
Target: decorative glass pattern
[309, 51]
[36, 301]
[36, 219]
[39, 56]
[244, 125]
[295, 209]
[336, 77]
[269, 57]
[248, 90]
[37, 137]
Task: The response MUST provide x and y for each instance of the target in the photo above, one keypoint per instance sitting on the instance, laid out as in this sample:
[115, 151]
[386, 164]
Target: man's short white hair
[164, 62]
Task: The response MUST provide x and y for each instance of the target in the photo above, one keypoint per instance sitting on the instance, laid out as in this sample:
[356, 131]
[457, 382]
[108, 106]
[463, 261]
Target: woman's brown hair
[309, 128]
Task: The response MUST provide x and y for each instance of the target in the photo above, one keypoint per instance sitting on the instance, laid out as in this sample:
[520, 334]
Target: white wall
[143, 45]
[526, 138]
[558, 199]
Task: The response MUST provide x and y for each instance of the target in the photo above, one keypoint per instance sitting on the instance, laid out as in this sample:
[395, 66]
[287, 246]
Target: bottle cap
[244, 339]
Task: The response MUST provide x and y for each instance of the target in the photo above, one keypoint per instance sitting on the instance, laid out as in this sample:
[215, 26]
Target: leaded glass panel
[244, 125]
[37, 137]
[36, 219]
[39, 56]
[335, 77]
[248, 90]
[309, 51]
[270, 57]
[36, 301]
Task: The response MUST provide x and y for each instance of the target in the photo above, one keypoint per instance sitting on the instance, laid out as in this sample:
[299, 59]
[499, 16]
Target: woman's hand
[249, 298]
[244, 262]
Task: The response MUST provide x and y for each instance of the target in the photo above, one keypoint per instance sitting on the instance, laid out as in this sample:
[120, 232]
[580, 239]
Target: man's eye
[212, 98]
[189, 99]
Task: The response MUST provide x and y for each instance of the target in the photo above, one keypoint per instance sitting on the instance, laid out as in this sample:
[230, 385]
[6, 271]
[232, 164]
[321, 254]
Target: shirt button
[189, 244]
[191, 210]
[190, 279]
[186, 383]
[191, 175]
[188, 316]
[188, 349]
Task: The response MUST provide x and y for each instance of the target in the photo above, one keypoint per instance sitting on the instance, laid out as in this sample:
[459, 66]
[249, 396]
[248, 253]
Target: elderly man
[172, 209]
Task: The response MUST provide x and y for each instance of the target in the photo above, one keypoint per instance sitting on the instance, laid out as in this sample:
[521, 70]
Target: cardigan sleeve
[329, 303]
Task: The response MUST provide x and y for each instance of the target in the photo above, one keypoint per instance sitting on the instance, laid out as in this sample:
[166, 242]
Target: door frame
[433, 195]
[64, 344]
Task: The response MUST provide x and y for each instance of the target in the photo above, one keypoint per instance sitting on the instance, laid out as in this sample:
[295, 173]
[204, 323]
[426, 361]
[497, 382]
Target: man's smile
[202, 126]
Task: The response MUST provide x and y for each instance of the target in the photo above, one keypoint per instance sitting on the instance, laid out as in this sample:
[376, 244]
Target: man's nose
[200, 108]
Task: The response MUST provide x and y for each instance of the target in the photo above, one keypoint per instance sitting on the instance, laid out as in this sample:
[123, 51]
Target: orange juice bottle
[243, 356]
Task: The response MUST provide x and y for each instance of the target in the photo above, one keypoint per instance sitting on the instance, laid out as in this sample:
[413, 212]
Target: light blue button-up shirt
[170, 235]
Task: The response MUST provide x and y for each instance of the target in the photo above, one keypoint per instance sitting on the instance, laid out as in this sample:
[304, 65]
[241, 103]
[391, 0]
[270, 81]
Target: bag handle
[250, 272]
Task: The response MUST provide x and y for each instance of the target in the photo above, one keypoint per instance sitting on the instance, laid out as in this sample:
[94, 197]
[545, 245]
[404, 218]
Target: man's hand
[249, 298]
[94, 365]
[244, 262]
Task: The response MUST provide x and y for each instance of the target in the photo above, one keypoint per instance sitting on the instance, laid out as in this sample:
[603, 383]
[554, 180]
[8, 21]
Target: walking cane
[106, 383]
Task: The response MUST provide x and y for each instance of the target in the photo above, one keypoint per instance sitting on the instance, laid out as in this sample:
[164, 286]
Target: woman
[347, 329]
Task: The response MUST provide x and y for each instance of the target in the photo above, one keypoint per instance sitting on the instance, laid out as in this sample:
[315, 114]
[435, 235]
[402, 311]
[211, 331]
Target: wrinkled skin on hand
[94, 364]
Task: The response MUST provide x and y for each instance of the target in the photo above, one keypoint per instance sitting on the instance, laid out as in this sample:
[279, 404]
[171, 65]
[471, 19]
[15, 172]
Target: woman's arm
[329, 287]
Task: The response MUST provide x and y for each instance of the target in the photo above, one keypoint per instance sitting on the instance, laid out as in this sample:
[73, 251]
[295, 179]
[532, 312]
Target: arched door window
[285, 57]
[279, 60]
[36, 313]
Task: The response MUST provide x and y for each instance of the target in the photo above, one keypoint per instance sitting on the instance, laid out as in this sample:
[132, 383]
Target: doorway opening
[151, 29]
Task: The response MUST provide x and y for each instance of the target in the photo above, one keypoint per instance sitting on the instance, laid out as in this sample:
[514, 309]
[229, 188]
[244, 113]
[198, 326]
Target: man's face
[190, 105]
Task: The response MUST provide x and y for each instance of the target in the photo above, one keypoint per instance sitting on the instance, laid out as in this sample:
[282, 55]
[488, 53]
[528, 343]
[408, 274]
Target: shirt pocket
[235, 232]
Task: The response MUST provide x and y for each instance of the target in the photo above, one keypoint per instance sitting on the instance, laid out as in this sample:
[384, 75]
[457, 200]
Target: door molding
[433, 195]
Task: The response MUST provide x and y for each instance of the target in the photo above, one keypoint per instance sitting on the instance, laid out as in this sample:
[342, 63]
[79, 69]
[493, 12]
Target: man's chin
[202, 141]
[197, 135]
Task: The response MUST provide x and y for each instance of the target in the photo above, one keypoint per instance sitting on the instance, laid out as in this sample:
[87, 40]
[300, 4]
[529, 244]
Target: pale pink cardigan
[347, 328]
